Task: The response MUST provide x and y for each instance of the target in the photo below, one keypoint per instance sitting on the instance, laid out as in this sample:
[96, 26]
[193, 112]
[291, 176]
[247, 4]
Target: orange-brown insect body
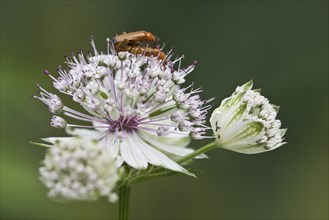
[139, 42]
[146, 51]
[137, 36]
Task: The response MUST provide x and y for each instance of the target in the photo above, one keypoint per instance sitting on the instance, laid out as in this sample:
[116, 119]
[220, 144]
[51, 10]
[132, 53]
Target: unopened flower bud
[58, 122]
[245, 122]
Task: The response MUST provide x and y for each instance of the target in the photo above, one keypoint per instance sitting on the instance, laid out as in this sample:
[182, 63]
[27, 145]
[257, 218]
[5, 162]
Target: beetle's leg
[121, 46]
[137, 50]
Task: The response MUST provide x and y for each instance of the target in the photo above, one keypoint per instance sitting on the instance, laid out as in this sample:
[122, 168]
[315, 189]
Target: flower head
[79, 169]
[136, 105]
[246, 122]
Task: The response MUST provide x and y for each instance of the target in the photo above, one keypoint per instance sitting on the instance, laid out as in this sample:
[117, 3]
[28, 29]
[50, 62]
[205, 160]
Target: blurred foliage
[282, 45]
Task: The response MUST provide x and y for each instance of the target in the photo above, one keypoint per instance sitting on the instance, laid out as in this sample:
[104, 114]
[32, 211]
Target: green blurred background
[283, 46]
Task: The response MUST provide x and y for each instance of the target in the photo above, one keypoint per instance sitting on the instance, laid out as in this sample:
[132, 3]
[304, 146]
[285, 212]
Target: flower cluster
[79, 169]
[135, 104]
[246, 122]
[135, 114]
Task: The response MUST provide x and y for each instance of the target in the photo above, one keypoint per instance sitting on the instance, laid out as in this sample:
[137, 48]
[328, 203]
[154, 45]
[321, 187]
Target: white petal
[172, 139]
[111, 143]
[249, 149]
[157, 158]
[131, 153]
[54, 139]
[119, 161]
[172, 143]
[90, 133]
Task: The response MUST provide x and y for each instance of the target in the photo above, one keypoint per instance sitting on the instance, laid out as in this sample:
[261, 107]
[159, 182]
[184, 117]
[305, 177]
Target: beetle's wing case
[132, 36]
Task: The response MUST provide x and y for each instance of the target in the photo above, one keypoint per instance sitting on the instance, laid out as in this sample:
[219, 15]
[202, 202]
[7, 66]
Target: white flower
[246, 122]
[79, 169]
[135, 103]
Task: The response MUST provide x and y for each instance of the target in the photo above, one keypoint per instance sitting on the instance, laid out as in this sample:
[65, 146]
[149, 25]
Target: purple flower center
[124, 123]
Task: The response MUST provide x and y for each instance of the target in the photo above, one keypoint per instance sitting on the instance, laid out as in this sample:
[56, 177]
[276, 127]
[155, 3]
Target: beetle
[135, 37]
[138, 42]
[146, 51]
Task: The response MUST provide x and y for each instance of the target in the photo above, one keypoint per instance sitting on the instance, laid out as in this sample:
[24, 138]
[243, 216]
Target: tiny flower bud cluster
[54, 103]
[58, 122]
[246, 122]
[79, 169]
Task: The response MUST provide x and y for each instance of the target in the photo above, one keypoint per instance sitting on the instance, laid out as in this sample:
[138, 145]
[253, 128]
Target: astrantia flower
[246, 122]
[135, 103]
[79, 169]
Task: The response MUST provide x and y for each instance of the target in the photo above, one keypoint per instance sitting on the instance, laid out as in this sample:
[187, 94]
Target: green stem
[124, 196]
[159, 171]
[198, 152]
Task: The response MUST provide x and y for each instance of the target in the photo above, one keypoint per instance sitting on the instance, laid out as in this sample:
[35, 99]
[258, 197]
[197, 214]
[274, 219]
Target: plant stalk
[197, 152]
[124, 197]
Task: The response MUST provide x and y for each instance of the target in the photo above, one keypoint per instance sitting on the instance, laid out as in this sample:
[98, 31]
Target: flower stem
[124, 196]
[160, 171]
[198, 152]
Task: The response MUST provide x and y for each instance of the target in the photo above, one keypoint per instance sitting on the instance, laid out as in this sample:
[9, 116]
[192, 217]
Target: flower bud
[58, 122]
[246, 122]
